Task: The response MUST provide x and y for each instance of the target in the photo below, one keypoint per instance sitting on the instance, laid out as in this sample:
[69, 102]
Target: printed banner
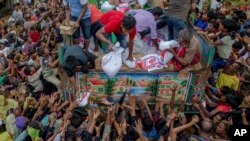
[142, 83]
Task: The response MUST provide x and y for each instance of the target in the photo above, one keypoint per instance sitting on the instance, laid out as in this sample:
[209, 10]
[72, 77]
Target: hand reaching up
[98, 129]
[52, 99]
[118, 139]
[124, 125]
[138, 127]
[73, 105]
[173, 115]
[175, 87]
[243, 114]
[195, 119]
[96, 114]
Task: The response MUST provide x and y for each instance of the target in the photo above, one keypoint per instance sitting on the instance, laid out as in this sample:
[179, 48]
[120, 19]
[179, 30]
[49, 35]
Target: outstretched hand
[138, 126]
[195, 119]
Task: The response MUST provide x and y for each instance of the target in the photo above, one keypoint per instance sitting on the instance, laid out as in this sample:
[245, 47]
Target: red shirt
[112, 21]
[34, 36]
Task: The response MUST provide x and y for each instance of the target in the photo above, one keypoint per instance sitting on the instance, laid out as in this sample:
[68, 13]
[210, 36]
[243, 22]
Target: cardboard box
[113, 2]
[67, 30]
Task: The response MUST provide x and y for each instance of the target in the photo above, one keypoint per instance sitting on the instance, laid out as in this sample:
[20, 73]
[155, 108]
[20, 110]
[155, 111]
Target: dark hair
[113, 135]
[28, 138]
[147, 124]
[212, 15]
[20, 65]
[32, 28]
[128, 22]
[11, 56]
[27, 70]
[216, 25]
[228, 24]
[244, 33]
[75, 120]
[242, 16]
[6, 80]
[10, 111]
[157, 11]
[226, 90]
[231, 100]
[40, 51]
[32, 51]
[71, 62]
[238, 45]
[132, 134]
[159, 124]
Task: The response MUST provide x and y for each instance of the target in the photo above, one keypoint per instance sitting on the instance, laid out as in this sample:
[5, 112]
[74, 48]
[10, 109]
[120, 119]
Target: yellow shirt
[3, 109]
[232, 81]
[5, 136]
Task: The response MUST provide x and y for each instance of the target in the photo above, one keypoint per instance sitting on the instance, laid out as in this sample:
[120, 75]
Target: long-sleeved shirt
[144, 20]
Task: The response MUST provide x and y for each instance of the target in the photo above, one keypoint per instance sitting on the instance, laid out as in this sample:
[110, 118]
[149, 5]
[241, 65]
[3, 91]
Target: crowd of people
[31, 102]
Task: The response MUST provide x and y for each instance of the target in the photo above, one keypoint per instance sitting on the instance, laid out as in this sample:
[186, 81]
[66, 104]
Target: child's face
[46, 51]
[248, 61]
[248, 30]
[33, 70]
[205, 17]
[34, 55]
[29, 40]
[210, 27]
[221, 27]
[235, 50]
[193, 6]
[223, 99]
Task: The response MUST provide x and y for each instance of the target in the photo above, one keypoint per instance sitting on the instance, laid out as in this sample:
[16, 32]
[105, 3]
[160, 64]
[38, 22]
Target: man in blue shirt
[80, 13]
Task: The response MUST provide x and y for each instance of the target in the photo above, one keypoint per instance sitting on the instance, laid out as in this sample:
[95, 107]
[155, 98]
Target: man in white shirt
[17, 13]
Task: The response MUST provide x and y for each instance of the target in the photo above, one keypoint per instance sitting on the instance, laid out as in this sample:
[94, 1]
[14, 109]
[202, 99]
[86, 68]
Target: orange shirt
[95, 13]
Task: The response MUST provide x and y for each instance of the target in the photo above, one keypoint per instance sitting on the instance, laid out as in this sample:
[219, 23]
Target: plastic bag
[83, 100]
[123, 7]
[112, 62]
[151, 62]
[129, 64]
[168, 44]
[106, 6]
[167, 56]
[142, 2]
[137, 44]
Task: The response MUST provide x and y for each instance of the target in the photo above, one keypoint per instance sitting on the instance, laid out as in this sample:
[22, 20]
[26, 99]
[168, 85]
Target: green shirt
[2, 77]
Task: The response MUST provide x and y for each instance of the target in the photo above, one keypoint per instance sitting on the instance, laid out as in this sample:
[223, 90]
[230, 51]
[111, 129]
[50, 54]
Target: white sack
[112, 62]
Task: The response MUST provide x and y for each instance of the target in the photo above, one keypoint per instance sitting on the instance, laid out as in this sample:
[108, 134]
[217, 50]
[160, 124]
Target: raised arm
[177, 130]
[144, 100]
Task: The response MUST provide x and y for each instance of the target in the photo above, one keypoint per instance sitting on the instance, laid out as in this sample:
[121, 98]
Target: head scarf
[21, 122]
[33, 133]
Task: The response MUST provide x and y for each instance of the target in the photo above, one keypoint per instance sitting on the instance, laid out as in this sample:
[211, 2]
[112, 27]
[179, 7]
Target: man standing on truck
[176, 19]
[121, 25]
[80, 13]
